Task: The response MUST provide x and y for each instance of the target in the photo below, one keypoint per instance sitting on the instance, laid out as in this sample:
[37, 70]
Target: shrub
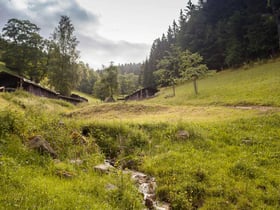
[11, 122]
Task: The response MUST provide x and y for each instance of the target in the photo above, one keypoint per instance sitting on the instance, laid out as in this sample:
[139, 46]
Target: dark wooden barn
[141, 94]
[11, 82]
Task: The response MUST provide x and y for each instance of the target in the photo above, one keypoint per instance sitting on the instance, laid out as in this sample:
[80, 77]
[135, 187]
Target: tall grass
[29, 180]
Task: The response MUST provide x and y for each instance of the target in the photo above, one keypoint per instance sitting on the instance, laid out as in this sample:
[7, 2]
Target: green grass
[224, 166]
[32, 181]
[230, 160]
[254, 86]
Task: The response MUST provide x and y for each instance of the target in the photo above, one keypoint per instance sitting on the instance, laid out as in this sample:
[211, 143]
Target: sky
[121, 31]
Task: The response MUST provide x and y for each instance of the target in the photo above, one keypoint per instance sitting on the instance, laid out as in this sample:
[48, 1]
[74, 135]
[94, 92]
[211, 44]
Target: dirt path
[259, 108]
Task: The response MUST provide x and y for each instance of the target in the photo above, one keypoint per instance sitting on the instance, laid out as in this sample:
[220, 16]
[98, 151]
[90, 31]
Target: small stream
[147, 187]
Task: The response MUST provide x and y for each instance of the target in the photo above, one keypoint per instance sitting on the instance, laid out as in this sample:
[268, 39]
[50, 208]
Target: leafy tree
[191, 67]
[63, 55]
[37, 68]
[168, 68]
[24, 51]
[100, 89]
[88, 78]
[108, 83]
[128, 83]
[111, 79]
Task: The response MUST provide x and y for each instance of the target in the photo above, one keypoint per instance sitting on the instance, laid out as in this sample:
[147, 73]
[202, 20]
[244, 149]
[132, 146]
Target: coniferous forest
[226, 33]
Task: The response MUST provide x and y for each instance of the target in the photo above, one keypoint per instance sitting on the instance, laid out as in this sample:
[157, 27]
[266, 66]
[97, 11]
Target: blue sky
[108, 30]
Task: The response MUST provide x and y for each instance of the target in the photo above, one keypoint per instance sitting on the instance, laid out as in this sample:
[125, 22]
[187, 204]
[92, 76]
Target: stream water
[147, 187]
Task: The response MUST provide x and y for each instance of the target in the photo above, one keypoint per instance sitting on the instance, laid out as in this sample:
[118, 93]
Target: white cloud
[108, 30]
[98, 50]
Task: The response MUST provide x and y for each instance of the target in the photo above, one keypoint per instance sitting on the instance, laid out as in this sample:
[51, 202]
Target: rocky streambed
[145, 183]
[147, 187]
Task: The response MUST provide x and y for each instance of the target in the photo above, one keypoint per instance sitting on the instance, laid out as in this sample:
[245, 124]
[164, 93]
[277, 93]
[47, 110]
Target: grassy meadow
[255, 84]
[230, 158]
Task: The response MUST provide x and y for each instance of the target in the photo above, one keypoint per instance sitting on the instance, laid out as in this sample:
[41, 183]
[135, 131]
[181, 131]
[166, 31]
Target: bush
[114, 139]
[11, 122]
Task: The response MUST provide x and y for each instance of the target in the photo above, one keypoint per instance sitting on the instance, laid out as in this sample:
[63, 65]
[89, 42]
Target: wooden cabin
[10, 82]
[141, 94]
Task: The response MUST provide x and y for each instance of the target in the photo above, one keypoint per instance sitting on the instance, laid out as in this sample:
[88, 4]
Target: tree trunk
[195, 86]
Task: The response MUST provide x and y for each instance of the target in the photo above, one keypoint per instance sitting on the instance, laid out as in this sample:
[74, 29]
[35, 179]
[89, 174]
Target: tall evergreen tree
[63, 55]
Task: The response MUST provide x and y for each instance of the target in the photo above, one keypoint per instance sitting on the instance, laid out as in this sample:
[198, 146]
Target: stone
[247, 141]
[39, 144]
[149, 203]
[110, 187]
[77, 161]
[103, 168]
[147, 188]
[150, 196]
[139, 177]
[162, 206]
[182, 134]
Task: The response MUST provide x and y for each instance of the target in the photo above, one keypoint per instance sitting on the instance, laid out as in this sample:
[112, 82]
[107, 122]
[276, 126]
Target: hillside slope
[250, 85]
[204, 151]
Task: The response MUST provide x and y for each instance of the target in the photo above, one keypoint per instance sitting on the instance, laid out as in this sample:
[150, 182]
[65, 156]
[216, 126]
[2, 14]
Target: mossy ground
[230, 160]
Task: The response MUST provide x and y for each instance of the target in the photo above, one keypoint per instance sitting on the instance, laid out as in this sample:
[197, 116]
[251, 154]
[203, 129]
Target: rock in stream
[146, 186]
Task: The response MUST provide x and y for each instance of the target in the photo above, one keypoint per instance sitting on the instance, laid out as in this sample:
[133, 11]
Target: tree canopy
[24, 51]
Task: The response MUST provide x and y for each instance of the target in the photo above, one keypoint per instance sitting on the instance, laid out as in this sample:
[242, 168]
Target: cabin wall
[38, 91]
[10, 81]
